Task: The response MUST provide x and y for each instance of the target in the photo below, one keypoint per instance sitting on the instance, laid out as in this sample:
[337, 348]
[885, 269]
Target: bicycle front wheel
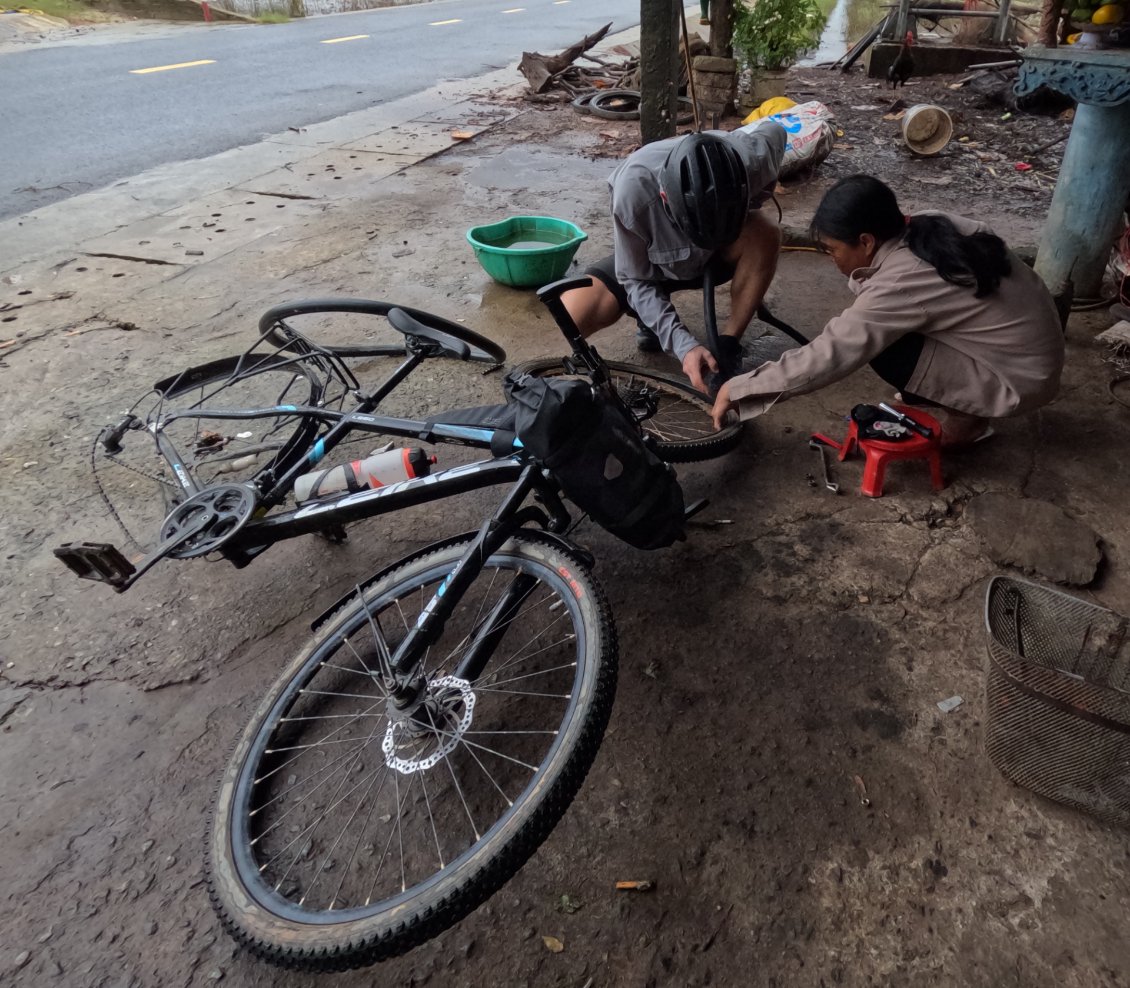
[681, 424]
[346, 832]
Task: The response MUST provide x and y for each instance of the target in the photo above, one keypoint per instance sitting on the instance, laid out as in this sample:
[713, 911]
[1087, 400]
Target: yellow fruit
[1110, 13]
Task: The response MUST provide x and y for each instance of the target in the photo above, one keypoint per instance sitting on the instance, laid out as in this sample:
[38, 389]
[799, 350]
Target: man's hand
[723, 406]
[697, 364]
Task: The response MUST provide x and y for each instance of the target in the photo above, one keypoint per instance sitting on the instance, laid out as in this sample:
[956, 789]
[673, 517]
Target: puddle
[847, 22]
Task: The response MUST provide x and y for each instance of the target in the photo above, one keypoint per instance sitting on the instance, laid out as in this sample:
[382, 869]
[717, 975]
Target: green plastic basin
[526, 251]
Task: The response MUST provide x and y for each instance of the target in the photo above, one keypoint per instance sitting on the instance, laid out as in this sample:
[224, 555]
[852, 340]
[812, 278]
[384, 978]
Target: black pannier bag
[599, 457]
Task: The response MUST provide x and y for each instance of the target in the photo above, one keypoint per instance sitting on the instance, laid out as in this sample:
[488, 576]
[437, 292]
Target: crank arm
[104, 563]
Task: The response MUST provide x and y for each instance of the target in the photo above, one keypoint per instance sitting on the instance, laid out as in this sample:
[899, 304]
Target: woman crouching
[944, 313]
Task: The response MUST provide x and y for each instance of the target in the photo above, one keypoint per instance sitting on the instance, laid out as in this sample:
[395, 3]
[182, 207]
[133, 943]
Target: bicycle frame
[257, 533]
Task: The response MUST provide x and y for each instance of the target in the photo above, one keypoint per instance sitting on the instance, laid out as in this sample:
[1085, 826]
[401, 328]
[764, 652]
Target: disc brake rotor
[412, 746]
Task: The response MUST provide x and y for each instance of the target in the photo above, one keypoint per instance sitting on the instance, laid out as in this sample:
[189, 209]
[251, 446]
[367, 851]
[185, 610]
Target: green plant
[68, 10]
[772, 34]
[273, 17]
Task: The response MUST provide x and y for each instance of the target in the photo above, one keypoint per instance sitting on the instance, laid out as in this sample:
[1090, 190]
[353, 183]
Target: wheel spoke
[356, 807]
[513, 658]
[342, 727]
[286, 792]
[335, 801]
[552, 696]
[541, 672]
[431, 819]
[462, 798]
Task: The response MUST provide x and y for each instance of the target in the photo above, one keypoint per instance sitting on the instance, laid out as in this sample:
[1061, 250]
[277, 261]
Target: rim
[352, 813]
[679, 418]
[138, 484]
[234, 450]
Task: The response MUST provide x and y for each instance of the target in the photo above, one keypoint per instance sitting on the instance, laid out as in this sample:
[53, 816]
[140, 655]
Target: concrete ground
[777, 764]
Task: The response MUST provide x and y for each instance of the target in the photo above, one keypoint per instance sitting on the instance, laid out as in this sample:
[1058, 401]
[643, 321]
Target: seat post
[550, 296]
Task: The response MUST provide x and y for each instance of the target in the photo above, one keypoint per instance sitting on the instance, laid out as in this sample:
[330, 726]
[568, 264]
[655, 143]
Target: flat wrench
[823, 450]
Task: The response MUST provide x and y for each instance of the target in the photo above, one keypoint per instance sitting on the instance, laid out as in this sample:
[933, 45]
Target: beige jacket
[995, 356]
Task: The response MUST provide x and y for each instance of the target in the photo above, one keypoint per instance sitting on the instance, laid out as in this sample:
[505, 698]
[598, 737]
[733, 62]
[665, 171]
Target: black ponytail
[976, 260]
[862, 204]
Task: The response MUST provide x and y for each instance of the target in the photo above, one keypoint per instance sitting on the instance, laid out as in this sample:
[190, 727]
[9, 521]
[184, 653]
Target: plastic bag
[811, 135]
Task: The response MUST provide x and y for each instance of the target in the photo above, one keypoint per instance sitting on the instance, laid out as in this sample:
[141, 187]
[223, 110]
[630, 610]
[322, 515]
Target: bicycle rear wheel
[345, 832]
[139, 484]
[682, 425]
[240, 450]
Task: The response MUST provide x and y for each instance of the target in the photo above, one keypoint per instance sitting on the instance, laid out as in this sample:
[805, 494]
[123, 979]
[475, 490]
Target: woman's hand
[723, 406]
[697, 364]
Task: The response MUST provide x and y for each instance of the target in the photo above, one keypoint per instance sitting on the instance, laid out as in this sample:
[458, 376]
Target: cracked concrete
[767, 663]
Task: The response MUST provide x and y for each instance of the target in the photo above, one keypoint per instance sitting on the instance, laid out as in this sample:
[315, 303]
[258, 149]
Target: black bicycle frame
[527, 477]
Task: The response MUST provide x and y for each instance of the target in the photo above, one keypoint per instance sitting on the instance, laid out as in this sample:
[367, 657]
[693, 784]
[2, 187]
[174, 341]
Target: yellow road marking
[514, 10]
[352, 37]
[454, 20]
[179, 65]
[558, 3]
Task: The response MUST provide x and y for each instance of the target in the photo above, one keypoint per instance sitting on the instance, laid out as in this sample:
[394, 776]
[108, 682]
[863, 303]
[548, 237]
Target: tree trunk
[540, 69]
[1049, 23]
[722, 28]
[659, 68]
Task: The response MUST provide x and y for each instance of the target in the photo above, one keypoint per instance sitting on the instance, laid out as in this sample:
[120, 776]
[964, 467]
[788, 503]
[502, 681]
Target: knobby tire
[318, 935]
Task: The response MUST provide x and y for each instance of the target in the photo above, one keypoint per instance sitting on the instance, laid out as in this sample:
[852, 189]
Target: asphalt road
[78, 117]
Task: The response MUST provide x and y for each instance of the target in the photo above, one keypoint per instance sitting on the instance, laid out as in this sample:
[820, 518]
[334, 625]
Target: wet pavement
[791, 651]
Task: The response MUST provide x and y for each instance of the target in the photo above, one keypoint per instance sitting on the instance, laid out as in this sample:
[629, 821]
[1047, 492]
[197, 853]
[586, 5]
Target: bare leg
[592, 308]
[960, 429]
[754, 259]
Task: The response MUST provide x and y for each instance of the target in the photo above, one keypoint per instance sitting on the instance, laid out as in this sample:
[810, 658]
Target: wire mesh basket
[1058, 697]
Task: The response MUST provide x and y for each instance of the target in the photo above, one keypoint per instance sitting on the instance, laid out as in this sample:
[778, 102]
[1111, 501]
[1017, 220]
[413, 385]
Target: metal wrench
[823, 450]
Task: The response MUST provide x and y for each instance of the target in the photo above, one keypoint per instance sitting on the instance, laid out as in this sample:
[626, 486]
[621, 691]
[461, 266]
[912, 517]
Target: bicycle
[463, 689]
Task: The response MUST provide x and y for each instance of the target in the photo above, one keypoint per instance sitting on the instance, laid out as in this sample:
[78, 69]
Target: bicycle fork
[408, 684]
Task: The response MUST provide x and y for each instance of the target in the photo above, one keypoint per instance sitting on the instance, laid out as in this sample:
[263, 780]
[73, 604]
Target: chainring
[224, 509]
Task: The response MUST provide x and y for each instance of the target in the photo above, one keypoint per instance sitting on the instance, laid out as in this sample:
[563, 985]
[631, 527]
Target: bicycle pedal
[97, 561]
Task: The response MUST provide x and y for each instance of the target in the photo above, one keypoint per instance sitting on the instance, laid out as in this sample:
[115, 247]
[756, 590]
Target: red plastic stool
[880, 452]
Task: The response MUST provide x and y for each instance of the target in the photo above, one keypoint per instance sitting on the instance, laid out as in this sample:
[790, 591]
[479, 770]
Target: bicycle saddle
[412, 328]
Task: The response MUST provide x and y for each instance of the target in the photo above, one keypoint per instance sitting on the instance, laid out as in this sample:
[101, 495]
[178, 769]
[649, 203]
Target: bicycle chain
[106, 497]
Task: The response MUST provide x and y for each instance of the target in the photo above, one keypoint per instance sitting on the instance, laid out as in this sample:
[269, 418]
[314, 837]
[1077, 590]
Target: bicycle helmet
[706, 188]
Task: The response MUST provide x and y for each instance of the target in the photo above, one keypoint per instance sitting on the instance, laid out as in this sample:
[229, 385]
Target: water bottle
[377, 470]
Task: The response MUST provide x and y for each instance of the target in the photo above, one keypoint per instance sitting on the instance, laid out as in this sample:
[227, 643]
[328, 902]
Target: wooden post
[659, 68]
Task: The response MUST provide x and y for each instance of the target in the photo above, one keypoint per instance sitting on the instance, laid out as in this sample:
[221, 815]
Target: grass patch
[69, 10]
[273, 17]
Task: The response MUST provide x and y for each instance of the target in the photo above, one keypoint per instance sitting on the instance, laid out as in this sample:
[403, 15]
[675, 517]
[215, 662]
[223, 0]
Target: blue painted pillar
[1089, 199]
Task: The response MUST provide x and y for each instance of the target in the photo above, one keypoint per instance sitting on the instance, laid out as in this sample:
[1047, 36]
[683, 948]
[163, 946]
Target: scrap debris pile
[609, 88]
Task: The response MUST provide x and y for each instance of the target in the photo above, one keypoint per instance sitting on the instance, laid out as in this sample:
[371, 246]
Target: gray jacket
[650, 249]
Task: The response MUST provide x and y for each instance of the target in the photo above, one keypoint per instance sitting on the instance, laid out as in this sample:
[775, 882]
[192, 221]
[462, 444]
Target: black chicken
[902, 68]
